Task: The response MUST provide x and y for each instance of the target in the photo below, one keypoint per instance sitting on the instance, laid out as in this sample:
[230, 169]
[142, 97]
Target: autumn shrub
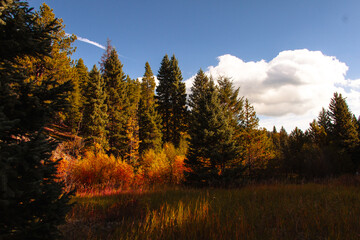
[154, 167]
[163, 167]
[98, 170]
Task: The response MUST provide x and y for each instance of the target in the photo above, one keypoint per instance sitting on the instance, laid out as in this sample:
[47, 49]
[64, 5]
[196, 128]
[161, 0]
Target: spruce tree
[211, 147]
[83, 78]
[229, 98]
[180, 111]
[324, 120]
[56, 63]
[171, 99]
[149, 120]
[131, 153]
[164, 93]
[116, 101]
[95, 111]
[344, 133]
[252, 141]
[32, 203]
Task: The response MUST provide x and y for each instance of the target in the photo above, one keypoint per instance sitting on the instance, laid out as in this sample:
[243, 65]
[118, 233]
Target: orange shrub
[100, 170]
[161, 167]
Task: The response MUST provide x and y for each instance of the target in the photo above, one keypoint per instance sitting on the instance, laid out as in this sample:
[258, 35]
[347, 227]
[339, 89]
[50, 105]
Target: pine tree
[83, 78]
[211, 147]
[343, 132]
[324, 120]
[163, 91]
[229, 98]
[255, 146]
[180, 112]
[171, 99]
[131, 154]
[294, 158]
[95, 111]
[116, 101]
[56, 63]
[32, 203]
[149, 120]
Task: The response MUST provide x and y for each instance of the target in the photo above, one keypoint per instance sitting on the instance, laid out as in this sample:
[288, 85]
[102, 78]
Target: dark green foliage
[83, 78]
[17, 22]
[117, 103]
[230, 100]
[180, 112]
[74, 112]
[294, 162]
[95, 111]
[163, 95]
[343, 130]
[211, 147]
[344, 134]
[31, 200]
[149, 120]
[324, 120]
[171, 99]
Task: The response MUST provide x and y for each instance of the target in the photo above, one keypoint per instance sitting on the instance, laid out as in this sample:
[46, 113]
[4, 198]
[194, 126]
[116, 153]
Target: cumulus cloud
[88, 41]
[291, 89]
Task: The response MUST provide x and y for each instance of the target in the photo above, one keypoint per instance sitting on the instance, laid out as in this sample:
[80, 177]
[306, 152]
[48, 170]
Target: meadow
[269, 211]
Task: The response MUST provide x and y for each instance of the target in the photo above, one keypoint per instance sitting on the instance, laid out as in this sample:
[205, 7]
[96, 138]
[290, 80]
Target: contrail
[88, 41]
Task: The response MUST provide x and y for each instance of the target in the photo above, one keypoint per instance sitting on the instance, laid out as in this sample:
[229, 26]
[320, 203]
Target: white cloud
[291, 89]
[88, 41]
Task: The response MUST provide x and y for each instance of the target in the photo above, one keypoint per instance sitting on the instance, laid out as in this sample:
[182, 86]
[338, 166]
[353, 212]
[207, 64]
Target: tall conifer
[95, 111]
[149, 120]
[116, 101]
[211, 148]
[180, 111]
[83, 76]
[164, 93]
[343, 132]
[171, 96]
[131, 152]
[32, 203]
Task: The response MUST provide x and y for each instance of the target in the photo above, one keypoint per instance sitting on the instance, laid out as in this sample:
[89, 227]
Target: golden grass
[309, 211]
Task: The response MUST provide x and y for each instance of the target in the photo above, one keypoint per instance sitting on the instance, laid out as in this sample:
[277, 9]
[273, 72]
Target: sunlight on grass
[310, 211]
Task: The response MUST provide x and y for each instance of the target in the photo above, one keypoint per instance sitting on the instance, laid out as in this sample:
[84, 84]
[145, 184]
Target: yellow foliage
[100, 170]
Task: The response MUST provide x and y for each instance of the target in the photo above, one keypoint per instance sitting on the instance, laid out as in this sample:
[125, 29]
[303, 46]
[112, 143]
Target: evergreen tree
[324, 120]
[95, 111]
[83, 78]
[256, 149]
[229, 98]
[117, 103]
[211, 148]
[171, 99]
[163, 91]
[32, 203]
[293, 154]
[149, 120]
[343, 132]
[131, 154]
[180, 112]
[57, 63]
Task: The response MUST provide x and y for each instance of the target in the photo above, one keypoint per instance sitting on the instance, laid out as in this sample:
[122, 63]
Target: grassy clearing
[309, 211]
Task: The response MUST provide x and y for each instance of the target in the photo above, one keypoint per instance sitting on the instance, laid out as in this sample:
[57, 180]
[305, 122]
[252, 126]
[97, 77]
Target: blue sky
[198, 32]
